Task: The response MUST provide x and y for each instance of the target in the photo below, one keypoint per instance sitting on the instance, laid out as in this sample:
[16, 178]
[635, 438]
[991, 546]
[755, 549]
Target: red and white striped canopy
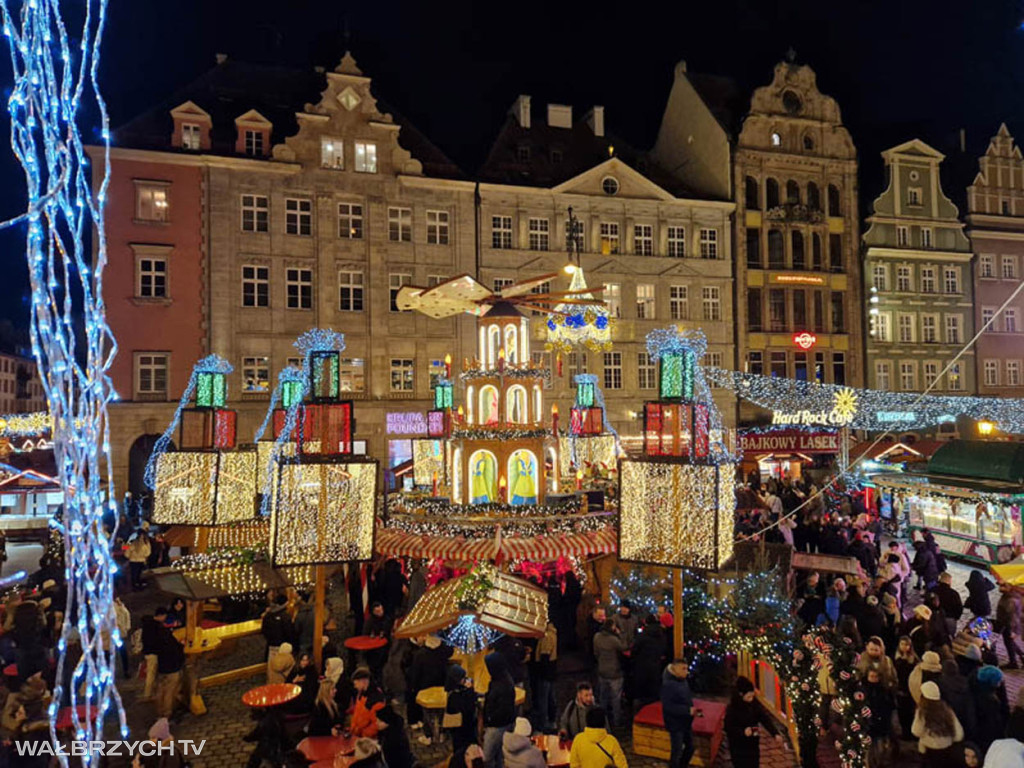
[395, 543]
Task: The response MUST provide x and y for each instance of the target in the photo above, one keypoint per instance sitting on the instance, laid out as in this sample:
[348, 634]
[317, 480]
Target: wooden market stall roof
[227, 580]
[513, 606]
[980, 459]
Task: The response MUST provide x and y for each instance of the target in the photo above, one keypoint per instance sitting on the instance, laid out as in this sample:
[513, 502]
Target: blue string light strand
[53, 85]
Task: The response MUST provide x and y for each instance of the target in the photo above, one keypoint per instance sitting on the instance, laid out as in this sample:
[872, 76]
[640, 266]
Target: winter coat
[500, 700]
[676, 703]
[992, 714]
[926, 740]
[607, 647]
[150, 635]
[281, 665]
[364, 713]
[461, 700]
[394, 673]
[519, 752]
[950, 600]
[170, 654]
[871, 622]
[573, 720]
[276, 626]
[978, 587]
[1008, 613]
[394, 743]
[321, 721]
[428, 667]
[139, 549]
[925, 566]
[627, 627]
[589, 748]
[740, 715]
[303, 627]
[957, 693]
[647, 656]
[882, 704]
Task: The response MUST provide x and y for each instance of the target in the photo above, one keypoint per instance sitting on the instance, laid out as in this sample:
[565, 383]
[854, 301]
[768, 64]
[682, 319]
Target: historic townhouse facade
[995, 227]
[918, 271]
[237, 222]
[798, 309]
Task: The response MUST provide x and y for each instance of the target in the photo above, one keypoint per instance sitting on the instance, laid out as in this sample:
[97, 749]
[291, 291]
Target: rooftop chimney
[595, 119]
[559, 116]
[521, 111]
[221, 58]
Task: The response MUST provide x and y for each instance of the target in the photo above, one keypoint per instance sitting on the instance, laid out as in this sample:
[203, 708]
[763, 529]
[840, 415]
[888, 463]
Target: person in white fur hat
[517, 749]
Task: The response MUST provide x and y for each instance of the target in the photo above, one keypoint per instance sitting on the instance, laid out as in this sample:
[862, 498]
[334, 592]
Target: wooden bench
[651, 739]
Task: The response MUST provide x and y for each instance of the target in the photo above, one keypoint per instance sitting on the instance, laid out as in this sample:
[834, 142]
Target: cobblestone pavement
[227, 719]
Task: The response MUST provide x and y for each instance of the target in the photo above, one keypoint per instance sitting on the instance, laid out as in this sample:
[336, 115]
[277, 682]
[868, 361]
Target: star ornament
[844, 406]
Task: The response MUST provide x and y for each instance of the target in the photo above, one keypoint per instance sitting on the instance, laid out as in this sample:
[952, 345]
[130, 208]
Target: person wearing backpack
[595, 747]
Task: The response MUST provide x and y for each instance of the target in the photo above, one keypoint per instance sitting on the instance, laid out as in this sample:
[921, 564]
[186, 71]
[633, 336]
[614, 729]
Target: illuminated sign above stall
[844, 409]
[805, 340]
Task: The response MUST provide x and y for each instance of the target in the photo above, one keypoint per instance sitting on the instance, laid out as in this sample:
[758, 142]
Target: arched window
[538, 407]
[482, 349]
[511, 344]
[834, 201]
[792, 192]
[457, 475]
[816, 252]
[776, 250]
[469, 403]
[522, 477]
[493, 344]
[551, 464]
[483, 478]
[813, 196]
[771, 193]
[798, 250]
[524, 340]
[753, 196]
[515, 405]
[808, 142]
[488, 405]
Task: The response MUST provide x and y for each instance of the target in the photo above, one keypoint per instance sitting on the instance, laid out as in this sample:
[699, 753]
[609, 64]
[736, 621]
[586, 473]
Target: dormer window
[366, 157]
[191, 136]
[332, 153]
[523, 153]
[253, 137]
[253, 142]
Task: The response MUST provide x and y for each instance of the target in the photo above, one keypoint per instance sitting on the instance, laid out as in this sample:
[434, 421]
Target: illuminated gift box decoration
[586, 421]
[438, 423]
[443, 394]
[211, 389]
[673, 429]
[207, 428]
[677, 375]
[428, 462]
[324, 511]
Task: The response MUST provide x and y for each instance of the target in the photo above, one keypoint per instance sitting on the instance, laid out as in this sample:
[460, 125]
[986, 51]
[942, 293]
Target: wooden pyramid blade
[525, 286]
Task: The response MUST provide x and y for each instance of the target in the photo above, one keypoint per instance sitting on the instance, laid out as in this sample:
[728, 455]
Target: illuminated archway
[493, 344]
[483, 474]
[538, 407]
[515, 405]
[554, 469]
[488, 413]
[511, 344]
[470, 392]
[522, 477]
[457, 476]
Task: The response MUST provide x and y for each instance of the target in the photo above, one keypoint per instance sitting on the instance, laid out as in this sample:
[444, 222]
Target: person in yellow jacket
[595, 747]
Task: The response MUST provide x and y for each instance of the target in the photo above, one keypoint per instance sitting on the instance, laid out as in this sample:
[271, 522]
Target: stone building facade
[798, 308]
[995, 227]
[918, 271]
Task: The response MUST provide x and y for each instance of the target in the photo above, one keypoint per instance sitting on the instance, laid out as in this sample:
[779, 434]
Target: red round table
[273, 695]
[64, 719]
[365, 643]
[11, 670]
[317, 748]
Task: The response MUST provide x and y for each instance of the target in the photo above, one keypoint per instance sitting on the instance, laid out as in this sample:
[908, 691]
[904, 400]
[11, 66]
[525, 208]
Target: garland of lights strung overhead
[71, 341]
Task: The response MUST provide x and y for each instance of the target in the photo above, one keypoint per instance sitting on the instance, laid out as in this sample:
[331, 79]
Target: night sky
[899, 69]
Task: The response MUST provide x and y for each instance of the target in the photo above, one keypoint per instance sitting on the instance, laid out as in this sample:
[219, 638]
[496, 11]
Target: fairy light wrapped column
[677, 501]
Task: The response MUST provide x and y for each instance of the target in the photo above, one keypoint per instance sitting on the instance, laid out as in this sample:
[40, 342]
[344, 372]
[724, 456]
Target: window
[523, 153]
[835, 252]
[366, 157]
[905, 327]
[352, 374]
[902, 236]
[350, 291]
[577, 364]
[930, 373]
[929, 329]
[610, 185]
[913, 195]
[434, 373]
[402, 374]
[191, 136]
[778, 366]
[501, 231]
[955, 377]
[151, 201]
[332, 153]
[882, 326]
[834, 201]
[755, 363]
[255, 374]
[792, 192]
[991, 373]
[400, 225]
[771, 193]
[298, 216]
[609, 237]
[709, 243]
[151, 376]
[816, 262]
[395, 282]
[880, 277]
[953, 329]
[751, 191]
[501, 283]
[838, 314]
[776, 140]
[612, 296]
[437, 227]
[643, 239]
[299, 286]
[1005, 207]
[904, 279]
[580, 232]
[797, 247]
[538, 233]
[556, 158]
[777, 309]
[776, 250]
[951, 277]
[927, 279]
[799, 309]
[646, 371]
[433, 280]
[537, 290]
[152, 282]
[1010, 320]
[1009, 264]
[253, 142]
[882, 378]
[678, 302]
[753, 248]
[255, 286]
[613, 370]
[754, 320]
[987, 315]
[986, 266]
[712, 301]
[1013, 373]
[926, 237]
[908, 376]
[255, 213]
[350, 221]
[819, 367]
[645, 307]
[813, 196]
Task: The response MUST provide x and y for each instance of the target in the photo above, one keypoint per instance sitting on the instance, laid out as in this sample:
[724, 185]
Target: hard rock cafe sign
[844, 409]
[805, 340]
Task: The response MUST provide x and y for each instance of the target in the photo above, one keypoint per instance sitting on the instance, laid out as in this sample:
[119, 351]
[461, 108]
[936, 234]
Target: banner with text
[789, 441]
